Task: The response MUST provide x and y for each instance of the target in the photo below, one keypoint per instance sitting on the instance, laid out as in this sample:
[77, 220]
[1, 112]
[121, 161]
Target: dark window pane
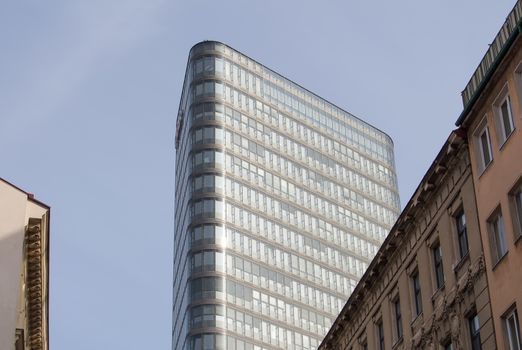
[417, 293]
[499, 236]
[506, 117]
[462, 234]
[518, 206]
[439, 269]
[398, 319]
[380, 335]
[484, 139]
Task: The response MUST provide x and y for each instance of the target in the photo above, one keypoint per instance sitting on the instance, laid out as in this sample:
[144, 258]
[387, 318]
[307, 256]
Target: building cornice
[491, 61]
[30, 196]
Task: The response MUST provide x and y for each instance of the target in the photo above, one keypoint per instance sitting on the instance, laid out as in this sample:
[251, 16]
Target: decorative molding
[448, 311]
[34, 285]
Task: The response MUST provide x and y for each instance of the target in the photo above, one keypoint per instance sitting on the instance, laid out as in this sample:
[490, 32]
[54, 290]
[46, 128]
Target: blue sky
[89, 92]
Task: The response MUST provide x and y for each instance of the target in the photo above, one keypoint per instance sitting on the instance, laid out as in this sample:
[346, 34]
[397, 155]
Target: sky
[89, 92]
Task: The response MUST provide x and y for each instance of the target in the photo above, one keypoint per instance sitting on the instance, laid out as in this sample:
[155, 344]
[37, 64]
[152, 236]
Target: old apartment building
[24, 270]
[492, 118]
[449, 276]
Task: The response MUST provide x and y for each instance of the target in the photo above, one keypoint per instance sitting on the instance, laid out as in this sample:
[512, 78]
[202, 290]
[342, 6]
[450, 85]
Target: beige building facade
[427, 287]
[492, 118]
[24, 270]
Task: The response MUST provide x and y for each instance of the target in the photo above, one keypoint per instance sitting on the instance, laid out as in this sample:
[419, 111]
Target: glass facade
[282, 200]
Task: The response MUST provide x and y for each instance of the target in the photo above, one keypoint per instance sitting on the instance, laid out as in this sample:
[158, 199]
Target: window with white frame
[474, 331]
[483, 145]
[503, 116]
[518, 82]
[512, 330]
[516, 210]
[497, 235]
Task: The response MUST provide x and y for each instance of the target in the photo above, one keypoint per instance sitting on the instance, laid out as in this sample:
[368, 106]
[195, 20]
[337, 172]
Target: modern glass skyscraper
[282, 200]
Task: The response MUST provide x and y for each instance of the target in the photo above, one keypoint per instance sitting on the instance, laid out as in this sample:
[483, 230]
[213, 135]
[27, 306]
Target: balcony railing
[497, 47]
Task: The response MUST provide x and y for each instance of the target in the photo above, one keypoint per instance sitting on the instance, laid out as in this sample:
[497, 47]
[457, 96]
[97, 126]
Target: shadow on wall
[11, 265]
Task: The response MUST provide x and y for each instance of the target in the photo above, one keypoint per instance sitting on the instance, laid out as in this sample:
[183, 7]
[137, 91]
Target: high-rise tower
[282, 199]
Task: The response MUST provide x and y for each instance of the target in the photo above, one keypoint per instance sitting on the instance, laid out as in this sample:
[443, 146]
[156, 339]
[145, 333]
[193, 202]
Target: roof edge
[29, 195]
[390, 139]
[492, 59]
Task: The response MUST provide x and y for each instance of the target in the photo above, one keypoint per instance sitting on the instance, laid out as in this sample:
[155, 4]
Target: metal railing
[509, 28]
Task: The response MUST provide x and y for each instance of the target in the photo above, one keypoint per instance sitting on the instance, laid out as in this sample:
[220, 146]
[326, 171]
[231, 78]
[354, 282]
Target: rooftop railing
[487, 64]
